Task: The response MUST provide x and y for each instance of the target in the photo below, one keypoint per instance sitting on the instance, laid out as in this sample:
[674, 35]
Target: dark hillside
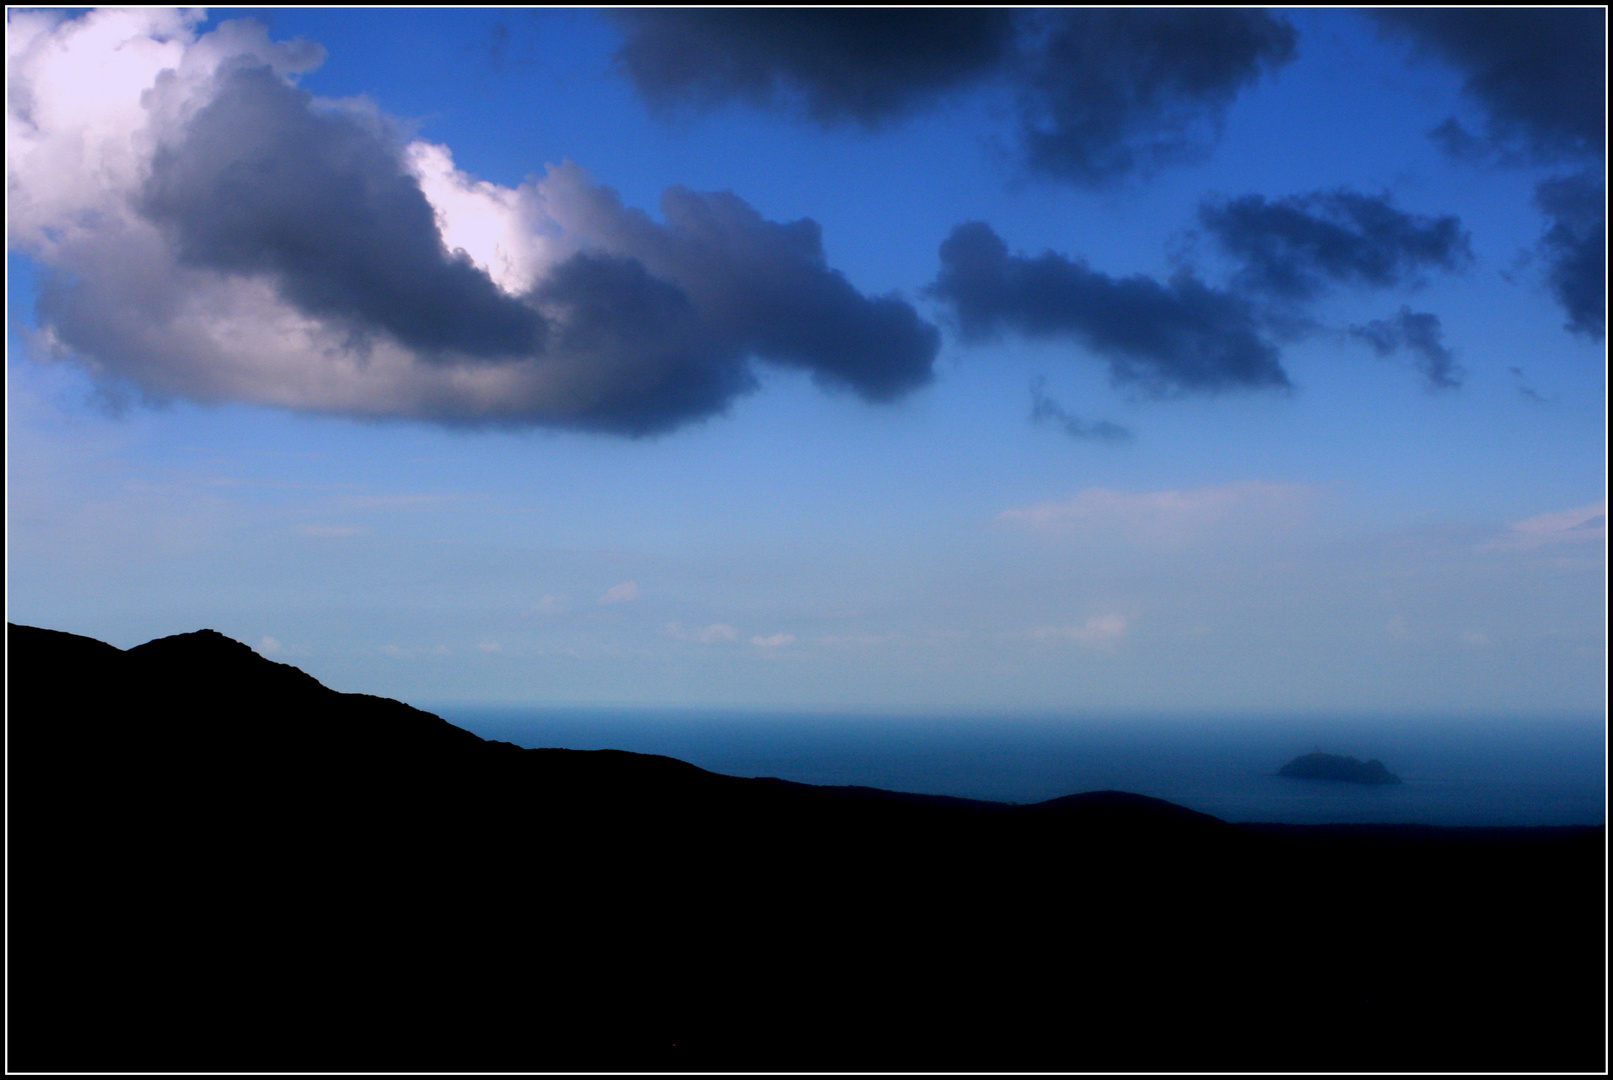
[218, 864]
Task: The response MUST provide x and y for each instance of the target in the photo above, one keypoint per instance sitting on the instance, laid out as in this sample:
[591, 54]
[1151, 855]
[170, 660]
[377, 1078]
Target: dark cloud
[645, 361]
[1420, 334]
[864, 65]
[262, 183]
[1539, 73]
[1106, 92]
[1101, 93]
[1525, 391]
[283, 250]
[1178, 336]
[1575, 247]
[1291, 248]
[766, 287]
[1045, 410]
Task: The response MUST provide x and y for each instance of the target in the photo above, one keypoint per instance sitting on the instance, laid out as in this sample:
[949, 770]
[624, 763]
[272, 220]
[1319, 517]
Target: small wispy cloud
[414, 652]
[714, 634]
[549, 605]
[857, 641]
[1161, 514]
[1098, 630]
[269, 646]
[331, 531]
[620, 594]
[1527, 392]
[385, 503]
[774, 641]
[1045, 410]
[1585, 523]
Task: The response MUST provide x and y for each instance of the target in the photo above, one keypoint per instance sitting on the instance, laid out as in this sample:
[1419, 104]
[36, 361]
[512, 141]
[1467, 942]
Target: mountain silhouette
[216, 863]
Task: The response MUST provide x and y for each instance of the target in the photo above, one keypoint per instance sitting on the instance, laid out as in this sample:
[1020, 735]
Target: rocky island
[1319, 766]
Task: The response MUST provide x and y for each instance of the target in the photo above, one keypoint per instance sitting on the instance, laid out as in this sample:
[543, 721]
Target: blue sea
[1455, 771]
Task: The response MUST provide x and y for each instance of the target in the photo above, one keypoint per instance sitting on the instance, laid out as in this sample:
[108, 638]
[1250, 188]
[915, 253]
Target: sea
[1455, 771]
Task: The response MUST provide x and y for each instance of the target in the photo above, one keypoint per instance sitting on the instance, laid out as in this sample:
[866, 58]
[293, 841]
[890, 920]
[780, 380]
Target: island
[1320, 766]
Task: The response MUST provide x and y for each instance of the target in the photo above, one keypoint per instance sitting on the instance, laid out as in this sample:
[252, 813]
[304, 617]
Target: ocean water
[1455, 771]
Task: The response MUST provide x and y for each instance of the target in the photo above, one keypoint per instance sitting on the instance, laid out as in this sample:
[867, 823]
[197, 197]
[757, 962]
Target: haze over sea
[1455, 771]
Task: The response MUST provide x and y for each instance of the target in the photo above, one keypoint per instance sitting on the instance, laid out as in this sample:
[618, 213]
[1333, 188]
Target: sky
[965, 361]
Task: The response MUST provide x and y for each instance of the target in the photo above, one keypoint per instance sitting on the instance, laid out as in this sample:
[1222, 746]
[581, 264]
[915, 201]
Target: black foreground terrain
[216, 863]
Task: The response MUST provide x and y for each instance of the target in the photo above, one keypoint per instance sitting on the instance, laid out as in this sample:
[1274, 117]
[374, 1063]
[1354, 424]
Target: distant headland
[1319, 766]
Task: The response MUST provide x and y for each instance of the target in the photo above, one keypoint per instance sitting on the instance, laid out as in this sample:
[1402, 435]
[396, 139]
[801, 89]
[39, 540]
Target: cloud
[1419, 333]
[259, 182]
[1098, 630]
[206, 230]
[714, 634]
[862, 65]
[1582, 524]
[1525, 391]
[1099, 94]
[773, 641]
[1538, 73]
[1575, 247]
[1108, 92]
[548, 605]
[1180, 336]
[414, 652]
[269, 646]
[759, 284]
[1045, 410]
[620, 594]
[331, 531]
[1292, 248]
[1163, 515]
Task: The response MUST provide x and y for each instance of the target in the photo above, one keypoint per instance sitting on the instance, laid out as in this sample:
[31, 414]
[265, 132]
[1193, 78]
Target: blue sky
[1177, 362]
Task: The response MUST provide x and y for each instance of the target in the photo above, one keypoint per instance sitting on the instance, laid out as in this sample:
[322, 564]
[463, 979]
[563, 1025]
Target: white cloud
[620, 594]
[397, 502]
[269, 646]
[331, 530]
[774, 641]
[1098, 630]
[706, 635]
[501, 229]
[549, 605]
[1162, 514]
[1585, 523]
[399, 652]
[860, 641]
